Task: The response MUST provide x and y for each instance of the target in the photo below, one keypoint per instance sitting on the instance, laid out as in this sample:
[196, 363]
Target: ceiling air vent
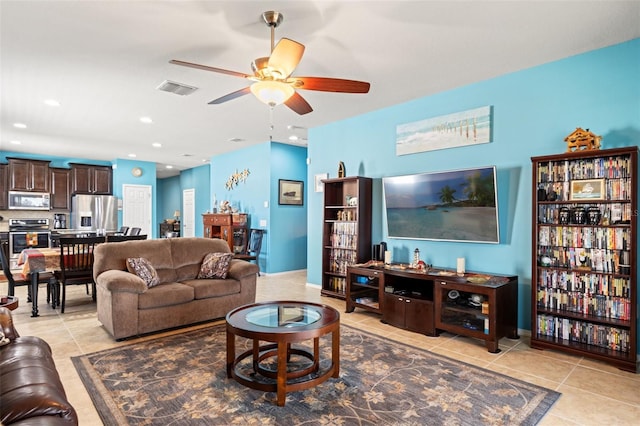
[177, 88]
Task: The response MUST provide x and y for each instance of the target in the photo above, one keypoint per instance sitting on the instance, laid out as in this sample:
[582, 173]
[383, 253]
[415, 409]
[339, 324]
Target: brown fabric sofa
[126, 307]
[31, 392]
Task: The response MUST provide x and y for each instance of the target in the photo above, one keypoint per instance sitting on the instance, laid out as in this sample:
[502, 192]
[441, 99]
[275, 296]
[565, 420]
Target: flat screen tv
[458, 205]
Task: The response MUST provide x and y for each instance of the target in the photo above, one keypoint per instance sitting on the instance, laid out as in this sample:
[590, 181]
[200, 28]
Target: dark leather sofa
[31, 392]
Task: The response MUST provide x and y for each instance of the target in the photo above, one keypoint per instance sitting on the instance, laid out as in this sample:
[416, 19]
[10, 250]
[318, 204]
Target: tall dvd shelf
[584, 254]
[346, 230]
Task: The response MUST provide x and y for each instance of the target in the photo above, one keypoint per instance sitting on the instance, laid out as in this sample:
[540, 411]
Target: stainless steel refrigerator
[94, 213]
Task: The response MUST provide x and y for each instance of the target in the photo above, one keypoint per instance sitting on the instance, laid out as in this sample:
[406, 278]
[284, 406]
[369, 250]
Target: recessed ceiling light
[292, 127]
[20, 125]
[16, 142]
[156, 145]
[146, 120]
[169, 167]
[132, 155]
[293, 138]
[52, 102]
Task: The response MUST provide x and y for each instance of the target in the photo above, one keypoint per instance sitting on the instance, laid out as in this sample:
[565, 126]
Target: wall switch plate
[263, 223]
[266, 204]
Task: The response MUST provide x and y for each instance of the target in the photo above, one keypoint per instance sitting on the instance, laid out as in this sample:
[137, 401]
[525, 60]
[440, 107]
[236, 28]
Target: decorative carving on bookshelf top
[582, 140]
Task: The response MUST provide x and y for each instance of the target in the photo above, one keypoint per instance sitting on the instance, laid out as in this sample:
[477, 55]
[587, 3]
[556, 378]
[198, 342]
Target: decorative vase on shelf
[341, 170]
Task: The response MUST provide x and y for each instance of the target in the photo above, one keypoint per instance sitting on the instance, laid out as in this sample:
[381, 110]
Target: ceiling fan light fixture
[272, 92]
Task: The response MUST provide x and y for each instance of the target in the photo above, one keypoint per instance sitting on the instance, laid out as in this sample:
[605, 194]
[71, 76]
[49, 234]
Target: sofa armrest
[239, 269]
[6, 324]
[117, 281]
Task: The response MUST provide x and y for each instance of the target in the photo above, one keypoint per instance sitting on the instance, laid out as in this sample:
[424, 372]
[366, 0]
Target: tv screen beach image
[455, 206]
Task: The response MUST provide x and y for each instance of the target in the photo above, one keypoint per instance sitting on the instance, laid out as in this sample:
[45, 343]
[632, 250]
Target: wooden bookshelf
[346, 230]
[584, 254]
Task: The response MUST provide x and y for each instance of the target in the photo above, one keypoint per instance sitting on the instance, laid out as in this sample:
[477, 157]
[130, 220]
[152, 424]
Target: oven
[27, 233]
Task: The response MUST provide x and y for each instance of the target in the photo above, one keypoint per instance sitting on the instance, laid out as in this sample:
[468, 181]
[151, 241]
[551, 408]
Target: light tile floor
[593, 393]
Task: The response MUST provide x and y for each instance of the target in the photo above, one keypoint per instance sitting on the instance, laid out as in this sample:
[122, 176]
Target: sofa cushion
[213, 287]
[142, 268]
[215, 265]
[166, 294]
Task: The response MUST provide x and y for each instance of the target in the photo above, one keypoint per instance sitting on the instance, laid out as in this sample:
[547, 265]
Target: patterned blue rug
[181, 380]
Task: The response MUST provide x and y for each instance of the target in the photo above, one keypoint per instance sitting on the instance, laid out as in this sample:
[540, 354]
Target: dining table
[34, 261]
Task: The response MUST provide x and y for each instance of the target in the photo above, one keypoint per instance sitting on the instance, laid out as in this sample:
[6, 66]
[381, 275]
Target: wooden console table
[484, 306]
[231, 227]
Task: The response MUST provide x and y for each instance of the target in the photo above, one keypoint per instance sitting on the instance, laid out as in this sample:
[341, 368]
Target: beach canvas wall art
[464, 128]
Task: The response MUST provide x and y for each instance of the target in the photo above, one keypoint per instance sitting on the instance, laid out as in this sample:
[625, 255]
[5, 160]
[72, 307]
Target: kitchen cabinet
[28, 175]
[60, 181]
[91, 179]
[4, 187]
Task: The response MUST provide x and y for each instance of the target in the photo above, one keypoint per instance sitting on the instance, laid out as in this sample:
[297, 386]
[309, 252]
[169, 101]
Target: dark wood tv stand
[434, 301]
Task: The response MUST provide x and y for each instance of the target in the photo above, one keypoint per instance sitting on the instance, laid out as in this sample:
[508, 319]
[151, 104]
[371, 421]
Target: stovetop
[28, 225]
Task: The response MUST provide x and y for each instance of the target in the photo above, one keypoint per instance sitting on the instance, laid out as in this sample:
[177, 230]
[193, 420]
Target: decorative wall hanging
[290, 192]
[236, 178]
[464, 128]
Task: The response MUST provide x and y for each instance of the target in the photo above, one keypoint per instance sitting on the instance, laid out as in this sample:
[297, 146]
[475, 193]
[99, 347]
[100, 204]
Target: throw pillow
[215, 265]
[142, 268]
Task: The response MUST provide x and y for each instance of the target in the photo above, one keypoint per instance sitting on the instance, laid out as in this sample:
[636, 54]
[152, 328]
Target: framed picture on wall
[290, 192]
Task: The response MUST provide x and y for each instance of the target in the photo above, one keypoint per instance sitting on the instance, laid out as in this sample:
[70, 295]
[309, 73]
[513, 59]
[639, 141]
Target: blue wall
[533, 111]
[199, 179]
[288, 240]
[122, 175]
[169, 198]
[284, 243]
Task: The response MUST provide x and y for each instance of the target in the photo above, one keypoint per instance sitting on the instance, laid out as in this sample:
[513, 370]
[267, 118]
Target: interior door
[136, 208]
[188, 212]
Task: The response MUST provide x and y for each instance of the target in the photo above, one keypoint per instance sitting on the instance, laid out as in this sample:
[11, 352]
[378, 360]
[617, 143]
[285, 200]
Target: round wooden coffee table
[281, 324]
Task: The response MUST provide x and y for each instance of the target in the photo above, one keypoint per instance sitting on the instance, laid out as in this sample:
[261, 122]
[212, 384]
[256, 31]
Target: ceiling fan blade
[298, 104]
[208, 68]
[231, 96]
[286, 57]
[329, 84]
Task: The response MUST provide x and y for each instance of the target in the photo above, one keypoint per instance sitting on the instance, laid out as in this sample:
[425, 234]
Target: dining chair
[135, 231]
[43, 277]
[253, 247]
[120, 238]
[76, 264]
[123, 230]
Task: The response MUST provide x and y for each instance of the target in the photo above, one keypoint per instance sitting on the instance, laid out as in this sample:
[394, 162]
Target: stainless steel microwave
[29, 200]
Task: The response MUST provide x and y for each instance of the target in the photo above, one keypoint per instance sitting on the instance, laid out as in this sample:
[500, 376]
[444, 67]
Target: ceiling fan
[273, 83]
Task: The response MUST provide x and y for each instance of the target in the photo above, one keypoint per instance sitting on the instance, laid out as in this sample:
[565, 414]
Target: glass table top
[283, 316]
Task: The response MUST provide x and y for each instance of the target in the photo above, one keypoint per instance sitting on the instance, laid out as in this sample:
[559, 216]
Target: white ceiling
[104, 59]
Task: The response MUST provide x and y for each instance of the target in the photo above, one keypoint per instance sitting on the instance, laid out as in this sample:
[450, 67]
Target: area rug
[181, 380]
